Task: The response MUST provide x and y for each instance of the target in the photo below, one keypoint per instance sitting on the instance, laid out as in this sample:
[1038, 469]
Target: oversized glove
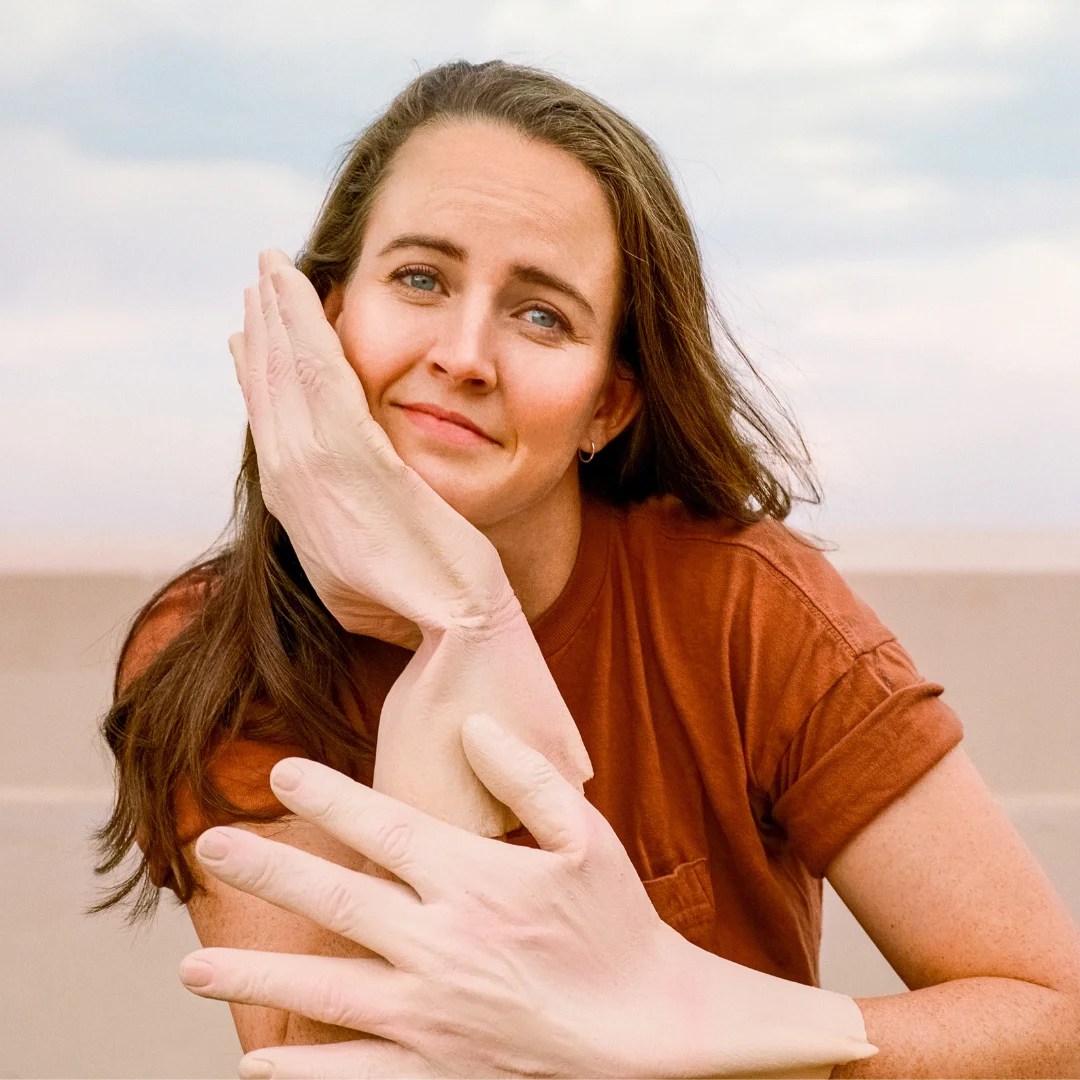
[497, 960]
[387, 555]
[366, 528]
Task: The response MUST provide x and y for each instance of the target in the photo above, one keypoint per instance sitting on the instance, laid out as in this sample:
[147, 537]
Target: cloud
[120, 403]
[887, 196]
[961, 309]
[938, 391]
[93, 230]
[748, 37]
[945, 112]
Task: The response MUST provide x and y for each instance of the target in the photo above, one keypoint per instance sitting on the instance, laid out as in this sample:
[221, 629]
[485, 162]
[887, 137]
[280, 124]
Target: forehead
[498, 193]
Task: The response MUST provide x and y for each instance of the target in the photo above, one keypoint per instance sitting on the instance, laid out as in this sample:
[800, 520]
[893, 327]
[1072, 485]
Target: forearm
[300, 1031]
[971, 1027]
[257, 1027]
[226, 917]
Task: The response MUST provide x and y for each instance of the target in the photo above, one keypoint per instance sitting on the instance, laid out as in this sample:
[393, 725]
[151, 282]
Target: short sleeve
[876, 731]
[836, 719]
[157, 627]
[239, 769]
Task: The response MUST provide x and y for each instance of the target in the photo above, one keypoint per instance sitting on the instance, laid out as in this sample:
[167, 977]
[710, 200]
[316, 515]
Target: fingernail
[255, 1069]
[212, 845]
[195, 972]
[286, 776]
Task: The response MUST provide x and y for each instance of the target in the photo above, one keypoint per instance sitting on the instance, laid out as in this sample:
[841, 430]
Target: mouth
[450, 426]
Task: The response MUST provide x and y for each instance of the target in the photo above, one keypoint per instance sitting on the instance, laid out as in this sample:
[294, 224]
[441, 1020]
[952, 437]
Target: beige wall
[86, 997]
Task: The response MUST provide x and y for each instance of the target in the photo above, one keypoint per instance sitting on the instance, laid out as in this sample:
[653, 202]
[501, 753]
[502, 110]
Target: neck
[538, 549]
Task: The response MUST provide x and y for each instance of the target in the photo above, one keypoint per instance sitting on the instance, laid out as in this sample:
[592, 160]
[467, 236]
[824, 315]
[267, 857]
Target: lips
[446, 414]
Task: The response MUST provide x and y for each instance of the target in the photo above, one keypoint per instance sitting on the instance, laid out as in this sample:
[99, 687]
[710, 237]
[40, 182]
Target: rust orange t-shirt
[746, 715]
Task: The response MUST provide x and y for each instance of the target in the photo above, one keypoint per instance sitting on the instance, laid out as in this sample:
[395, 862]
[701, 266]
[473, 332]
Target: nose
[464, 349]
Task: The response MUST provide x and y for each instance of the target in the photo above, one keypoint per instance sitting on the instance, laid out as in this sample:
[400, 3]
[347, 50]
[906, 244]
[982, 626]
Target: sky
[887, 197]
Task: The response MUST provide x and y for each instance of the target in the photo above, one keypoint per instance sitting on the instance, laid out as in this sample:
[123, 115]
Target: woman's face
[488, 287]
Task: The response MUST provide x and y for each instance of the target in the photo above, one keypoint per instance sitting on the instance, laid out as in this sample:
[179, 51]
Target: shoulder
[767, 576]
[168, 612]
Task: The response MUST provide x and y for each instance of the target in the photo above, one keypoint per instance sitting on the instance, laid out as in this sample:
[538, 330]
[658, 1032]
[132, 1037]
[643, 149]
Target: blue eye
[552, 322]
[423, 282]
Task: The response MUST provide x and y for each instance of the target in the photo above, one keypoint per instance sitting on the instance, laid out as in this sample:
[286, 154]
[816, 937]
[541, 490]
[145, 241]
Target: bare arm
[951, 896]
[223, 915]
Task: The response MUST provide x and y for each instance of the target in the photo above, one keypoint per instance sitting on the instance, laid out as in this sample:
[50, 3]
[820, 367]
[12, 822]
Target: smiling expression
[480, 318]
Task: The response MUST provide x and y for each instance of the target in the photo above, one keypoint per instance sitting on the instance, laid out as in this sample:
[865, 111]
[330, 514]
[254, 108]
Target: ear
[332, 305]
[619, 402]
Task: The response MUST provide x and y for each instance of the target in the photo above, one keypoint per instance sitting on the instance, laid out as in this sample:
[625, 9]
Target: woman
[509, 273]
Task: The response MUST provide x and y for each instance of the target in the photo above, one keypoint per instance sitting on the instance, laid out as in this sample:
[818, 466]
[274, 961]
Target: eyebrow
[532, 275]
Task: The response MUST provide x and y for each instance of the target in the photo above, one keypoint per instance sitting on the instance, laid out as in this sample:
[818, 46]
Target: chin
[471, 507]
[475, 505]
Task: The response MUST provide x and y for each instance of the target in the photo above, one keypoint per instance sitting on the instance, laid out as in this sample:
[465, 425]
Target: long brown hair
[261, 635]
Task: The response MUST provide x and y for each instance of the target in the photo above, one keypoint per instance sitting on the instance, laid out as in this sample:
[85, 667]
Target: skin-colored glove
[364, 525]
[387, 555]
[497, 960]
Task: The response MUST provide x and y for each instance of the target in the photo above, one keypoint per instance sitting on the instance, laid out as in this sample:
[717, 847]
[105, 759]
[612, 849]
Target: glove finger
[381, 915]
[336, 1061]
[238, 350]
[334, 392]
[256, 393]
[547, 804]
[435, 859]
[349, 992]
[287, 405]
[324, 374]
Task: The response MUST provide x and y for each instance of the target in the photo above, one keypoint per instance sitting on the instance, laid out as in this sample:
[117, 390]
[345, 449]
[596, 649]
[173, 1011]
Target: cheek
[556, 405]
[376, 340]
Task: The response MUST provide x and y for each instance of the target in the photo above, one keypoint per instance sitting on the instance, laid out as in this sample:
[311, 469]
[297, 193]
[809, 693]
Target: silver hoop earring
[592, 453]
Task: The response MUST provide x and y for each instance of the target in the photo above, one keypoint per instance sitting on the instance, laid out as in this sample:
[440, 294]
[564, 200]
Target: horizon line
[855, 549]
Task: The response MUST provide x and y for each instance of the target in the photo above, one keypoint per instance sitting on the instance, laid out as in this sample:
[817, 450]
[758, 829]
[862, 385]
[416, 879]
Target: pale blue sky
[888, 196]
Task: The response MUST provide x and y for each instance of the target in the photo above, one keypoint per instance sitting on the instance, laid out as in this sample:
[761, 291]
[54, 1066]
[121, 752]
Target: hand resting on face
[378, 545]
[386, 555]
